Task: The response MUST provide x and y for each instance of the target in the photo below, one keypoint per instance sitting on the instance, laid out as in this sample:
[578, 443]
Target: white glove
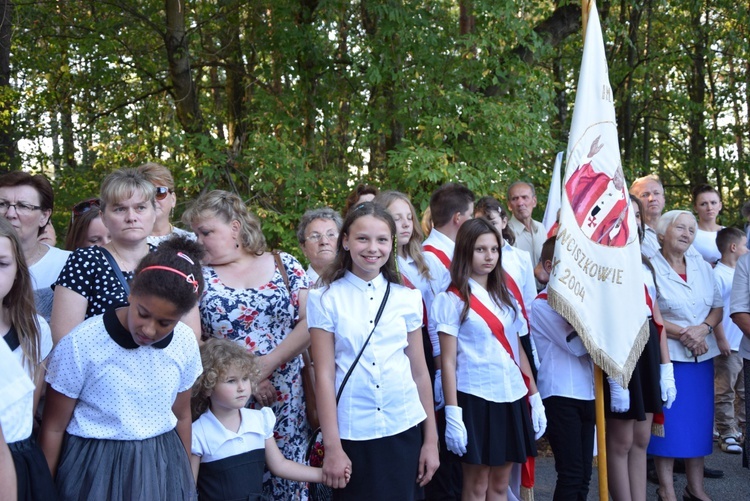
[666, 382]
[538, 418]
[619, 396]
[439, 397]
[456, 437]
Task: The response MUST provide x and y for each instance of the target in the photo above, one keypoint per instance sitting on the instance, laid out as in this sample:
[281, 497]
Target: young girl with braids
[232, 445]
[486, 377]
[28, 337]
[117, 421]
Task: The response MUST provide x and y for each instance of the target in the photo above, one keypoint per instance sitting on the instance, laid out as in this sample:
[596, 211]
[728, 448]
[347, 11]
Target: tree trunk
[183, 89]
[7, 141]
[696, 161]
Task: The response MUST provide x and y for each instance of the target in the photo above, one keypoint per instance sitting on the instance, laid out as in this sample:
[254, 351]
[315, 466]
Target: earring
[346, 248]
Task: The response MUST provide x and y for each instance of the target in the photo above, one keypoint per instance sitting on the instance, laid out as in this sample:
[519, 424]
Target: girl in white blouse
[486, 378]
[117, 421]
[383, 426]
[233, 445]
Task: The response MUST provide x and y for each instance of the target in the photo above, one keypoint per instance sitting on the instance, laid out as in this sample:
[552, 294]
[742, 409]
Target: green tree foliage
[290, 102]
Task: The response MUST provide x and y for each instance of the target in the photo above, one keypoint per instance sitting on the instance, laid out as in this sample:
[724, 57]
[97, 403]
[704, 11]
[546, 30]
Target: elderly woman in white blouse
[691, 306]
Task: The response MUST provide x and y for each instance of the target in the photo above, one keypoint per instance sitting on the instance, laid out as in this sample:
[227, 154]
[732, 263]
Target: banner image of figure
[599, 200]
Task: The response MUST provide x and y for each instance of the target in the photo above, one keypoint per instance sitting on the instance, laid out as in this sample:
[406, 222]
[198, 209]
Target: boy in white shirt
[728, 374]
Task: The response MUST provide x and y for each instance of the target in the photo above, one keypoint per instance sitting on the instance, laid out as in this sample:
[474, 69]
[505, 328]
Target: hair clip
[185, 257]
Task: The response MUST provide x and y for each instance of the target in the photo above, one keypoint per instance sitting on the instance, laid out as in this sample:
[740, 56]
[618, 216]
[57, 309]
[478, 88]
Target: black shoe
[679, 467]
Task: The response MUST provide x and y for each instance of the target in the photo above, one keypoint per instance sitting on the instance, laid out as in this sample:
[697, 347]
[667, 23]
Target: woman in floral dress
[247, 300]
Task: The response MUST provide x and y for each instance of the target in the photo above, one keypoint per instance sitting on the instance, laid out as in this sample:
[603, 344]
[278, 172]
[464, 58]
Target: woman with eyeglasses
[166, 200]
[27, 201]
[317, 234]
[258, 300]
[86, 227]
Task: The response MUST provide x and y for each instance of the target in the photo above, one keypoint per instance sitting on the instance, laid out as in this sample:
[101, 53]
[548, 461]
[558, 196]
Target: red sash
[498, 330]
[442, 256]
[410, 285]
[513, 287]
[650, 304]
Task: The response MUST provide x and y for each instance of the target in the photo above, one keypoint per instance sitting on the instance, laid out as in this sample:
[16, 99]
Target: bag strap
[117, 270]
[280, 266]
[377, 319]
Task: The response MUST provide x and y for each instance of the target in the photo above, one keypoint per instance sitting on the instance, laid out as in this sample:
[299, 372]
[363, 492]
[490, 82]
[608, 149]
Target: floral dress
[260, 318]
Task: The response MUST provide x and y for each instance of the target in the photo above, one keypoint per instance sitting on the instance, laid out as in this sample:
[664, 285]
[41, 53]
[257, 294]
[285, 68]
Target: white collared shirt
[687, 303]
[565, 369]
[123, 394]
[739, 301]
[530, 241]
[483, 367]
[441, 279]
[212, 441]
[517, 264]
[17, 401]
[724, 276]
[381, 398]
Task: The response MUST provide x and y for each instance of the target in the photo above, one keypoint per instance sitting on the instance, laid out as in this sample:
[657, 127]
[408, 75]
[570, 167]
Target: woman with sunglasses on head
[27, 201]
[92, 279]
[166, 200]
[86, 227]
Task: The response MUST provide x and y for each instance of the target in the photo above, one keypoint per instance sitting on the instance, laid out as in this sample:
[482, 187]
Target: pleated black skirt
[645, 392]
[498, 432]
[32, 473]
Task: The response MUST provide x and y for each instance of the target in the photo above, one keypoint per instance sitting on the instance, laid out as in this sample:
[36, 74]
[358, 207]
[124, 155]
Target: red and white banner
[553, 199]
[597, 279]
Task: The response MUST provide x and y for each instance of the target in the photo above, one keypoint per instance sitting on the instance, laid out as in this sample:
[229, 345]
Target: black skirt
[498, 433]
[32, 473]
[645, 392]
[383, 468]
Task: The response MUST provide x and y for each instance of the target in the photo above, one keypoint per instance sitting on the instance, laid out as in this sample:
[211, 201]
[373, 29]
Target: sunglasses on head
[85, 206]
[162, 192]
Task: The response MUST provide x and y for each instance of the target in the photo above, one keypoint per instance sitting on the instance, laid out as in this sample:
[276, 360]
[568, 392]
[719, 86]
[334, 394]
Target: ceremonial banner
[553, 199]
[597, 281]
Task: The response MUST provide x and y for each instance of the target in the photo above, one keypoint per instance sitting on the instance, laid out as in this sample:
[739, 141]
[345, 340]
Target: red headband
[188, 278]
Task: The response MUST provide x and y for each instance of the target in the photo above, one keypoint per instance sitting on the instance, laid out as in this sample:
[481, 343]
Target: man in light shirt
[530, 234]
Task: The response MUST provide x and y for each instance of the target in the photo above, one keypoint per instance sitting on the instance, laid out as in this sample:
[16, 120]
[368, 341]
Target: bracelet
[710, 327]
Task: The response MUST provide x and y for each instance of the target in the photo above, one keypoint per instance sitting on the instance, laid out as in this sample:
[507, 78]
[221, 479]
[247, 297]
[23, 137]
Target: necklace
[124, 265]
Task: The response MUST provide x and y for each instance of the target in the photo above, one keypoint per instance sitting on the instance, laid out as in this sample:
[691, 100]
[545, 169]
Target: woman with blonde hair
[257, 299]
[166, 200]
[94, 278]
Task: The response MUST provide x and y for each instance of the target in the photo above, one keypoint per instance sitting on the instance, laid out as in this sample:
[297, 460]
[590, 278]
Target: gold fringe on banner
[600, 357]
[527, 493]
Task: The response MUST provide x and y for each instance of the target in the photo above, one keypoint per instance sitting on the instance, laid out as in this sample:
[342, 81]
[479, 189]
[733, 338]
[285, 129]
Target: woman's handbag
[315, 449]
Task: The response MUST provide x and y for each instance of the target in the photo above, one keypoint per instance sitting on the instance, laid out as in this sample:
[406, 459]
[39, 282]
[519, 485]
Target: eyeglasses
[83, 207]
[21, 207]
[317, 237]
[162, 192]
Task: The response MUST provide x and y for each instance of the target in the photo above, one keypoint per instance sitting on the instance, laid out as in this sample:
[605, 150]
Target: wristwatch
[710, 327]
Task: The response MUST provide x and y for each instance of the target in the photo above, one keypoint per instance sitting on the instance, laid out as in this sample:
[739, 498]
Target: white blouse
[517, 264]
[45, 345]
[212, 441]
[705, 244]
[381, 398]
[17, 402]
[740, 298]
[566, 369]
[441, 279]
[483, 367]
[687, 303]
[724, 276]
[124, 391]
